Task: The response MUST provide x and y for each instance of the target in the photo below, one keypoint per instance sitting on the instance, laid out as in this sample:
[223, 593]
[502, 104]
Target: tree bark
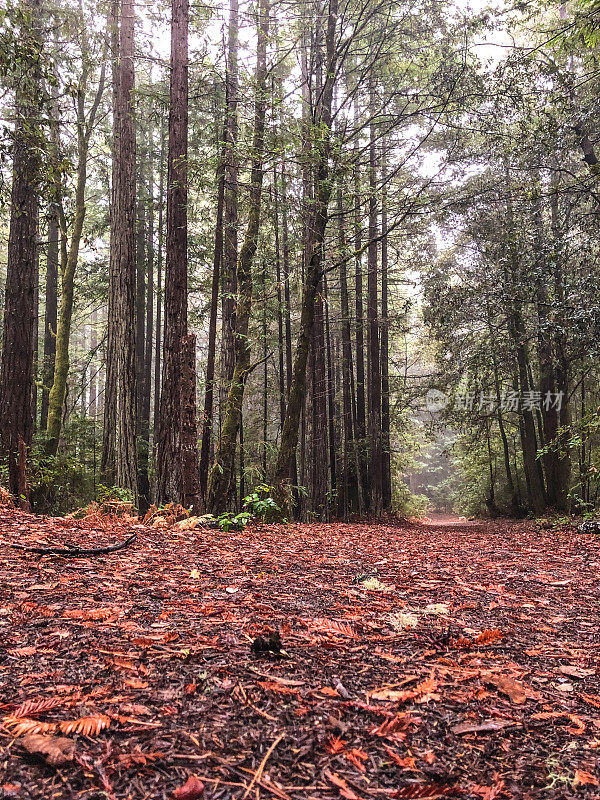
[121, 377]
[16, 370]
[230, 236]
[176, 451]
[209, 391]
[313, 272]
[220, 477]
[374, 364]
[51, 313]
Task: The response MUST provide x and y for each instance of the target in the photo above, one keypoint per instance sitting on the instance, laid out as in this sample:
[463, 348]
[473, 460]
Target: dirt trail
[419, 660]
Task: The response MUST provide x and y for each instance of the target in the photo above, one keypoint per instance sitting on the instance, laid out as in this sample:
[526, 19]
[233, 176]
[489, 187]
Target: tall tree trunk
[360, 432]
[221, 474]
[16, 371]
[70, 257]
[313, 272]
[146, 371]
[121, 378]
[108, 463]
[280, 342]
[561, 374]
[207, 416]
[374, 364]
[36, 331]
[230, 237]
[159, 289]
[331, 410]
[177, 453]
[50, 314]
[348, 443]
[140, 294]
[386, 447]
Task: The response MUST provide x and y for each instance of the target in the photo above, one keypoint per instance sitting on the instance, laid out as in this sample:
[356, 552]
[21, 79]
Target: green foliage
[407, 504]
[107, 494]
[237, 522]
[261, 505]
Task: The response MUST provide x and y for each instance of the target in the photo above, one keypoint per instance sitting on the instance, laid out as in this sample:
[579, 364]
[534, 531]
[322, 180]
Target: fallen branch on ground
[71, 552]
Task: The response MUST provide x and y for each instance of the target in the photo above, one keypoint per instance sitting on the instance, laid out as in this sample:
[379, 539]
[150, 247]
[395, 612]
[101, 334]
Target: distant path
[449, 521]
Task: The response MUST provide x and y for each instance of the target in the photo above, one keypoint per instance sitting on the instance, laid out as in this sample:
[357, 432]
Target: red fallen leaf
[329, 691]
[584, 779]
[577, 721]
[192, 789]
[191, 687]
[398, 723]
[341, 784]
[513, 689]
[593, 700]
[357, 757]
[486, 637]
[335, 745]
[406, 763]
[274, 686]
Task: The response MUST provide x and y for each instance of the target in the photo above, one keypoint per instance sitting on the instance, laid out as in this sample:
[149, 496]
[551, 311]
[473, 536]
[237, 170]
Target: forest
[299, 399]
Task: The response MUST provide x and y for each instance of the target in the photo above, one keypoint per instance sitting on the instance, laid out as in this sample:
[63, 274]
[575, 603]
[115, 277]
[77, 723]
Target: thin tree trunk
[230, 237]
[374, 363]
[85, 127]
[280, 342]
[207, 416]
[159, 290]
[386, 448]
[361, 427]
[221, 474]
[331, 415]
[50, 315]
[146, 372]
[289, 434]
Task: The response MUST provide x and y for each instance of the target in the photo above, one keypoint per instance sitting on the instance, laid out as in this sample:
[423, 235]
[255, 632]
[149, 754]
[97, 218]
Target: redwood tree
[177, 445]
[16, 371]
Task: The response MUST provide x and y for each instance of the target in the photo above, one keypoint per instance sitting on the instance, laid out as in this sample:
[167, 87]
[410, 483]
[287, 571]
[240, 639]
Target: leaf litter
[133, 674]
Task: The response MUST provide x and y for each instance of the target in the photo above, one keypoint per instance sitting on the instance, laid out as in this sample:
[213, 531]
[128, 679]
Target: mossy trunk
[219, 480]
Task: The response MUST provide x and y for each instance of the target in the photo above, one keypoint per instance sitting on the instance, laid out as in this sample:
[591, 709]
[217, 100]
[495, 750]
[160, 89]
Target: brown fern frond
[22, 726]
[36, 706]
[88, 726]
[332, 626]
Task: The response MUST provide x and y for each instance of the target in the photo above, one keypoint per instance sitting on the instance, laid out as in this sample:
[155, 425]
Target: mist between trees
[241, 244]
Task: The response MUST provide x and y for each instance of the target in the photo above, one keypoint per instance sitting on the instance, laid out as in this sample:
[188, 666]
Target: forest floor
[419, 660]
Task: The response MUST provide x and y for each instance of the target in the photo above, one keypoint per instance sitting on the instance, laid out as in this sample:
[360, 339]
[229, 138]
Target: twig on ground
[260, 770]
[72, 552]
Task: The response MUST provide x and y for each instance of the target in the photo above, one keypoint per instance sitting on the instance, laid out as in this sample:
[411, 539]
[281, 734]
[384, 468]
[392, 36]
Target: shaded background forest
[417, 180]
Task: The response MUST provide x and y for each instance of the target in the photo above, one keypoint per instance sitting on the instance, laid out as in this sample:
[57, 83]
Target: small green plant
[237, 522]
[261, 505]
[107, 494]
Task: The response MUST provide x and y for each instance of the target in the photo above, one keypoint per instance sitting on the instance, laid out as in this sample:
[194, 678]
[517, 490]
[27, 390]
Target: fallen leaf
[513, 689]
[55, 750]
[487, 726]
[192, 789]
[576, 672]
[584, 779]
[341, 784]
